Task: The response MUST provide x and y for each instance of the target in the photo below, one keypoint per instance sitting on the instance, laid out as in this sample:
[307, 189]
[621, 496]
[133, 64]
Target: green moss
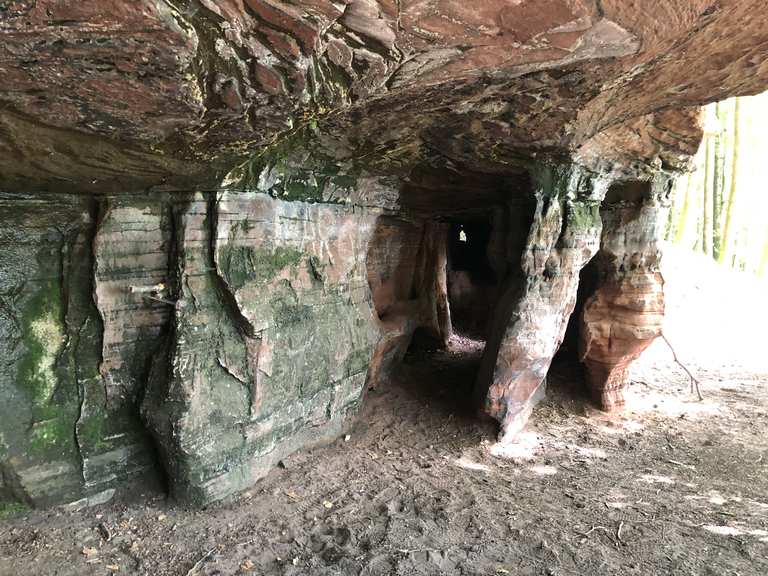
[242, 265]
[10, 509]
[50, 434]
[582, 216]
[92, 431]
[287, 313]
[43, 335]
[38, 373]
[357, 361]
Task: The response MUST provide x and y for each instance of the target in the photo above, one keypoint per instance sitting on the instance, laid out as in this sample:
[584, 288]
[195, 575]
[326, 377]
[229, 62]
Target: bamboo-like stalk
[729, 208]
[706, 229]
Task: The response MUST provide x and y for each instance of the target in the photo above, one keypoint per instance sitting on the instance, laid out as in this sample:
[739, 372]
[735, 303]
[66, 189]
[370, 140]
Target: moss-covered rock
[69, 427]
[273, 333]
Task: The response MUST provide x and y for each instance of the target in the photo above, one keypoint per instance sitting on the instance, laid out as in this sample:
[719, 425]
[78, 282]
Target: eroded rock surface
[272, 333]
[624, 312]
[538, 297]
[189, 87]
[70, 382]
[223, 219]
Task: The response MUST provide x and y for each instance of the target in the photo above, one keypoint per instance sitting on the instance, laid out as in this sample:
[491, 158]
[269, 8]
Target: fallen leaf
[328, 504]
[247, 565]
[113, 567]
[89, 552]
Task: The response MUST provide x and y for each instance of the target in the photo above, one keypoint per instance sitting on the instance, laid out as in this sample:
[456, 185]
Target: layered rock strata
[75, 345]
[223, 219]
[624, 311]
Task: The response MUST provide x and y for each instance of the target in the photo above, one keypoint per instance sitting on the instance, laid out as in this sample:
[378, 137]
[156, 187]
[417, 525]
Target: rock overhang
[166, 89]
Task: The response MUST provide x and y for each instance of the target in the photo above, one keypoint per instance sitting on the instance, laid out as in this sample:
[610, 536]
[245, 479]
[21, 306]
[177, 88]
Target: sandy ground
[671, 486]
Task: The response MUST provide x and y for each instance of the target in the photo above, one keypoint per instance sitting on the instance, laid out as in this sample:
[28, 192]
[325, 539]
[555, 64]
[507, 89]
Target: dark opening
[472, 280]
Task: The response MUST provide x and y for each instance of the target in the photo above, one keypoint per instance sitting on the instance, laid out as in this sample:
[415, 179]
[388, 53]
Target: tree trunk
[683, 217]
[729, 211]
[706, 228]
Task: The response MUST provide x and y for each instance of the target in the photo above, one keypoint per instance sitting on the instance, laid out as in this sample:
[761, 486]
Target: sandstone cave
[371, 287]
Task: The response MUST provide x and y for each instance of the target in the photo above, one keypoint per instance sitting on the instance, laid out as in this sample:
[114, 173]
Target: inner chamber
[436, 271]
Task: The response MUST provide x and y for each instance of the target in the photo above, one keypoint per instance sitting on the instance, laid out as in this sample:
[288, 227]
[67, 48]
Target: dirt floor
[671, 486]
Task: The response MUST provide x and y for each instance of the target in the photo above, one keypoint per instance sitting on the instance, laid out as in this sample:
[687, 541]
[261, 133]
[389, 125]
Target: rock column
[539, 295]
[625, 311]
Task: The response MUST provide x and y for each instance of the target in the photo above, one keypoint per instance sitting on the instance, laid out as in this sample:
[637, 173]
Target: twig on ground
[676, 463]
[618, 531]
[588, 532]
[694, 381]
[200, 562]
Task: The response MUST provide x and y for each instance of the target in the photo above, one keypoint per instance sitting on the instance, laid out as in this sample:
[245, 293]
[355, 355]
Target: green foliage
[10, 509]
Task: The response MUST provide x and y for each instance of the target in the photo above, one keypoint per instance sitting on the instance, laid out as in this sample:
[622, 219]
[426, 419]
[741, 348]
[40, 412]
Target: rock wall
[71, 379]
[328, 145]
[407, 273]
[273, 330]
[243, 325]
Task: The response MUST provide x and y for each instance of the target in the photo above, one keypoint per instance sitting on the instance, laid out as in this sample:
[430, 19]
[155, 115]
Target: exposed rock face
[538, 298]
[407, 276]
[71, 371]
[272, 333]
[625, 311]
[224, 219]
[187, 87]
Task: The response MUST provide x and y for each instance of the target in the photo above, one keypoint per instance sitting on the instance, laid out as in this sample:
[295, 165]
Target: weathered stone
[194, 87]
[624, 310]
[273, 332]
[407, 276]
[537, 299]
[331, 146]
[70, 432]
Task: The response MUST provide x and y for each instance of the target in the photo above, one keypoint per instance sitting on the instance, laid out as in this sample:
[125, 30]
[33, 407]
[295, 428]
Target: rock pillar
[539, 295]
[625, 309]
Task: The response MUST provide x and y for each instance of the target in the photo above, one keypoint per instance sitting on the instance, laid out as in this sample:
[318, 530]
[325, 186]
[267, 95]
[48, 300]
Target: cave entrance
[435, 271]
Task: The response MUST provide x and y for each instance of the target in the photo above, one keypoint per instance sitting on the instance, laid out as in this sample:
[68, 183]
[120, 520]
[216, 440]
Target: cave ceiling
[125, 95]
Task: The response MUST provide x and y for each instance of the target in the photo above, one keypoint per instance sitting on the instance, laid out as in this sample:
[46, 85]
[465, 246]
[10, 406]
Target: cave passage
[472, 281]
[437, 273]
